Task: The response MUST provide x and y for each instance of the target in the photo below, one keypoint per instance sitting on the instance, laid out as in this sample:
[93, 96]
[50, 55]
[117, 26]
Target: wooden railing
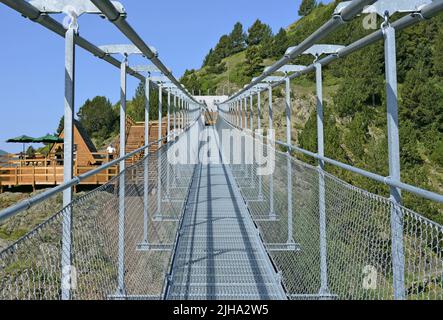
[49, 171]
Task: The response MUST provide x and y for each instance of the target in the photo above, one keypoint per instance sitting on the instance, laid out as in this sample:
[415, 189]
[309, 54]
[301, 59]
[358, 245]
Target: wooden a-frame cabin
[46, 171]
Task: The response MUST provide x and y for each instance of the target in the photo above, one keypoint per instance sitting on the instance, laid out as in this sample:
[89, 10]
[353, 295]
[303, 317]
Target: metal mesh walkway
[219, 254]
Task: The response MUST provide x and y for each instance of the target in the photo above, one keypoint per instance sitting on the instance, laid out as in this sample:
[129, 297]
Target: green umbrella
[49, 138]
[21, 139]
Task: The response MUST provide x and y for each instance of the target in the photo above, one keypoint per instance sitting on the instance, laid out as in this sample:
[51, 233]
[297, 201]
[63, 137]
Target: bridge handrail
[376, 177]
[27, 203]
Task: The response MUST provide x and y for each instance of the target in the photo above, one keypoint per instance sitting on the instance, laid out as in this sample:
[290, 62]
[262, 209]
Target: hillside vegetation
[355, 108]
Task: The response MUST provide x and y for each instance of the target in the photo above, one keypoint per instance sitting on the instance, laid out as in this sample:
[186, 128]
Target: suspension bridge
[218, 212]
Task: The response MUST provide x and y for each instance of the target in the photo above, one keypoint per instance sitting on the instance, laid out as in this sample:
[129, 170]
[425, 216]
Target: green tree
[306, 7]
[362, 83]
[258, 33]
[98, 118]
[280, 43]
[437, 154]
[224, 46]
[253, 63]
[30, 152]
[238, 38]
[421, 99]
[191, 81]
[438, 54]
[61, 125]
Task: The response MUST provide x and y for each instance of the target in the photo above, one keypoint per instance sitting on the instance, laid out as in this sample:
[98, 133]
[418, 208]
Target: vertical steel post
[122, 191]
[251, 123]
[181, 114]
[272, 215]
[241, 113]
[146, 166]
[233, 112]
[288, 159]
[238, 114]
[175, 116]
[322, 209]
[258, 110]
[66, 258]
[168, 131]
[159, 181]
[185, 112]
[260, 182]
[245, 100]
[398, 262]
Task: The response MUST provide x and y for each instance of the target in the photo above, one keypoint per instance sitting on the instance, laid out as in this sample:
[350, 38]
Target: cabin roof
[85, 136]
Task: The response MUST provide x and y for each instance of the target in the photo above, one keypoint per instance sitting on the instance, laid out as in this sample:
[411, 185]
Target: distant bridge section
[211, 101]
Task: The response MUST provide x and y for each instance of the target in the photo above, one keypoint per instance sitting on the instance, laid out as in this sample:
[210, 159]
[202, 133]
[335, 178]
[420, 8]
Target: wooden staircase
[135, 137]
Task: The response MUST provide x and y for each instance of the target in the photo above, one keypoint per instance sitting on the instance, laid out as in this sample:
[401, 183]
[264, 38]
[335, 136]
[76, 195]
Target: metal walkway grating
[219, 254]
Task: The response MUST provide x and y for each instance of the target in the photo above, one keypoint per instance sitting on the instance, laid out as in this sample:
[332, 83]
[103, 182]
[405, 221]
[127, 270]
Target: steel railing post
[398, 262]
[175, 115]
[321, 193]
[66, 258]
[260, 179]
[121, 192]
[159, 181]
[146, 166]
[288, 159]
[272, 215]
[245, 100]
[168, 131]
[251, 127]
[251, 123]
[241, 112]
[239, 124]
[175, 135]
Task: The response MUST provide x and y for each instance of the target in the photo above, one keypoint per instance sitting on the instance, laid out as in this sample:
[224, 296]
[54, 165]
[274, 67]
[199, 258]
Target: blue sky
[32, 58]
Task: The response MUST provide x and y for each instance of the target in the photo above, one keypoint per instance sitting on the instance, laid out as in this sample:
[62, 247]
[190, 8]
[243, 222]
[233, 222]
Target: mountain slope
[355, 110]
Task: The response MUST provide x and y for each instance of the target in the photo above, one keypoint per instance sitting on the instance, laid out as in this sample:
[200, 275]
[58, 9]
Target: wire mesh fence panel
[357, 239]
[30, 268]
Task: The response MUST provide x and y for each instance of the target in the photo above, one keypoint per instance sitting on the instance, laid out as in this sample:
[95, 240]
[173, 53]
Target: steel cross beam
[320, 49]
[78, 7]
[389, 7]
[149, 68]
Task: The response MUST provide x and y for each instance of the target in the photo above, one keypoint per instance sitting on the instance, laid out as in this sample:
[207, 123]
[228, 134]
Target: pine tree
[97, 118]
[280, 43]
[253, 63]
[421, 99]
[224, 47]
[306, 7]
[238, 38]
[258, 33]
